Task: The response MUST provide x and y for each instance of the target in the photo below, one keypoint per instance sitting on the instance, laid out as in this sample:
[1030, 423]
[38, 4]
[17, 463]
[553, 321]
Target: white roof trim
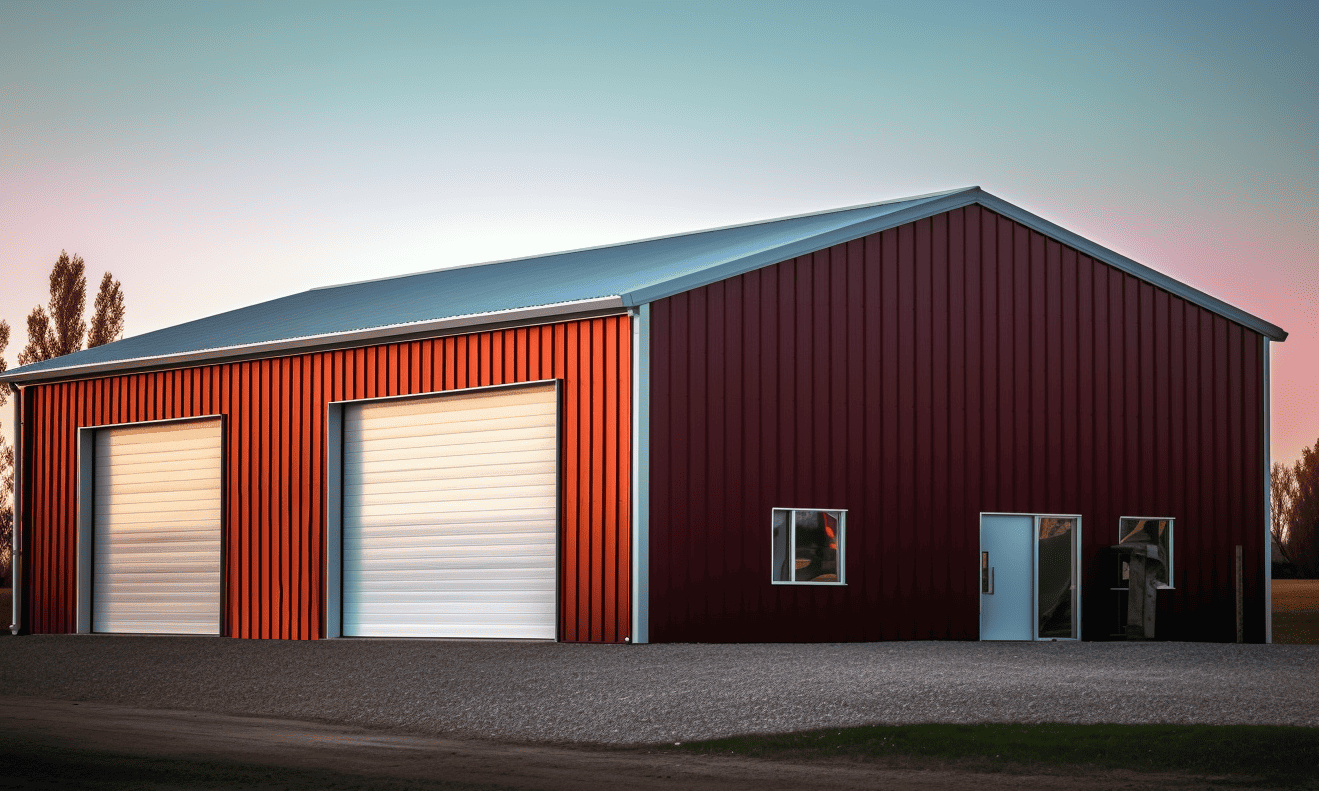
[348, 336]
[1101, 253]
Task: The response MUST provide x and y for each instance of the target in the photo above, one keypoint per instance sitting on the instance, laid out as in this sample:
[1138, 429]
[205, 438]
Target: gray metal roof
[615, 276]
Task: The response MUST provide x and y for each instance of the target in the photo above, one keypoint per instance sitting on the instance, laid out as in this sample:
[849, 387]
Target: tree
[1283, 484]
[1303, 520]
[107, 314]
[6, 475]
[53, 331]
[59, 330]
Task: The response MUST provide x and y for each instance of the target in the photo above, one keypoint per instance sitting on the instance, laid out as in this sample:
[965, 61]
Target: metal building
[924, 418]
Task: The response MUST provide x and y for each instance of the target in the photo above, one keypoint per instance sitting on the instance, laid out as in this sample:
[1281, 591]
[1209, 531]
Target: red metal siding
[276, 465]
[917, 377]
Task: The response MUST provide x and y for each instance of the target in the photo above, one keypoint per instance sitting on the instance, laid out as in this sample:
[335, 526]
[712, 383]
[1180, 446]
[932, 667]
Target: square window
[1148, 530]
[807, 546]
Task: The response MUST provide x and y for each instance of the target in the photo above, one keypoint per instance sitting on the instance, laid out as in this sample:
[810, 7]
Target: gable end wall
[955, 365]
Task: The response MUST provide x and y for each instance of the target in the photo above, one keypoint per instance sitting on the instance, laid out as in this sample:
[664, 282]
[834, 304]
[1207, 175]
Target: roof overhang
[938, 205]
[558, 311]
[928, 206]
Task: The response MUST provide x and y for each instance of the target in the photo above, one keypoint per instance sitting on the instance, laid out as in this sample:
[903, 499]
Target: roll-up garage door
[450, 513]
[157, 517]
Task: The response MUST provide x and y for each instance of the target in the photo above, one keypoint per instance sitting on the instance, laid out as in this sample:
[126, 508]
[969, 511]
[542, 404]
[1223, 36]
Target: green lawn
[1253, 755]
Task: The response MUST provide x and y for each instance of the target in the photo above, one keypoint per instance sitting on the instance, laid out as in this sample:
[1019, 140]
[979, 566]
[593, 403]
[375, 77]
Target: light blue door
[1007, 585]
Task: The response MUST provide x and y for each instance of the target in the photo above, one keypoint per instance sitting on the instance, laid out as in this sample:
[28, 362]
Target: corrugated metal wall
[917, 377]
[276, 466]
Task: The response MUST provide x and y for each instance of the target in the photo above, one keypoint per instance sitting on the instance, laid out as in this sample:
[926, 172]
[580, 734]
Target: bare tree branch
[1282, 483]
[1303, 517]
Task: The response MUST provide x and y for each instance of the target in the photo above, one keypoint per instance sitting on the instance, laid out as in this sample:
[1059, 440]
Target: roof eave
[559, 311]
[1101, 253]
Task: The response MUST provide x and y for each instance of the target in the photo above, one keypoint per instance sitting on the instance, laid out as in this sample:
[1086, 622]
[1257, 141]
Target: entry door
[1029, 577]
[450, 515]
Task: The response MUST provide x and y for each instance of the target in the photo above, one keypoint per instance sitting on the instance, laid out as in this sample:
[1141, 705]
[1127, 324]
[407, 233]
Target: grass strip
[1270, 756]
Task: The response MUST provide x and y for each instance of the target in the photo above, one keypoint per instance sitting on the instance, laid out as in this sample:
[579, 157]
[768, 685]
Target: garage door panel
[438, 494]
[478, 533]
[519, 520]
[459, 455]
[453, 434]
[156, 529]
[389, 430]
[164, 554]
[442, 466]
[136, 457]
[135, 583]
[418, 510]
[156, 443]
[152, 501]
[179, 481]
[460, 482]
[177, 532]
[450, 516]
[455, 406]
[455, 471]
[138, 521]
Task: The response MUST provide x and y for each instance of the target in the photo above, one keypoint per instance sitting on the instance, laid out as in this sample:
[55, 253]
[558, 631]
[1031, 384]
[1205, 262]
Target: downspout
[16, 557]
[1268, 499]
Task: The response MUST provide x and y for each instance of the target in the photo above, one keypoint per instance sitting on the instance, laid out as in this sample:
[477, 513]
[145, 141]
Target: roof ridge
[631, 242]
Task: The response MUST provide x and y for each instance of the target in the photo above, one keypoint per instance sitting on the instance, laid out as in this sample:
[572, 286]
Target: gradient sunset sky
[213, 155]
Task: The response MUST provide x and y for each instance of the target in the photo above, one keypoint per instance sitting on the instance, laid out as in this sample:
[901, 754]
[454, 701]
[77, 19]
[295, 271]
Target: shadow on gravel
[1235, 755]
[42, 767]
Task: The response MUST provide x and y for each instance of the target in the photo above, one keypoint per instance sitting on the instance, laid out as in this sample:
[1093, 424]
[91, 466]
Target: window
[808, 546]
[1148, 530]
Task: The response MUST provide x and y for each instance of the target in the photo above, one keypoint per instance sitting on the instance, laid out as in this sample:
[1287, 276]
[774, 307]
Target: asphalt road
[47, 745]
[647, 694]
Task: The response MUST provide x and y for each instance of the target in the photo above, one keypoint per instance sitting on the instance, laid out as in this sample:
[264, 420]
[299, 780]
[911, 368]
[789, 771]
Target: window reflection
[1149, 531]
[807, 545]
[817, 546]
[1057, 587]
[782, 572]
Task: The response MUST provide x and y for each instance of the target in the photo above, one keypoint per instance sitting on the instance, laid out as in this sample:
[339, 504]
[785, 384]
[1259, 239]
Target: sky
[214, 155]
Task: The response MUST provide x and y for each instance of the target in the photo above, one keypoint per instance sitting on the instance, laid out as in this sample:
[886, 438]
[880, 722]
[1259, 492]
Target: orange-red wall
[275, 432]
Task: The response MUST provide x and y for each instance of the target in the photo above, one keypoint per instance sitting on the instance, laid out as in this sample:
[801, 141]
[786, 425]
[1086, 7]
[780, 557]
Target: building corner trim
[641, 474]
[16, 543]
[1268, 495]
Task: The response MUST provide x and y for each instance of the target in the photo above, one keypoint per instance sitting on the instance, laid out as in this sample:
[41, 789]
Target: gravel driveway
[655, 693]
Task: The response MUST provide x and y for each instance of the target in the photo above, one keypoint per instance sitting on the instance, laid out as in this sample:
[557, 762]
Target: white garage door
[450, 508]
[156, 512]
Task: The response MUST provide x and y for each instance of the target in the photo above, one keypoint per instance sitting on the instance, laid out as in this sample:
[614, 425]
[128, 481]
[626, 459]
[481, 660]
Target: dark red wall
[917, 377]
[275, 465]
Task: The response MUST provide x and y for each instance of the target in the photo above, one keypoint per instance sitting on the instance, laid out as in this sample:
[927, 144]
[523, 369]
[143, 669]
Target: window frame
[792, 543]
[1172, 539]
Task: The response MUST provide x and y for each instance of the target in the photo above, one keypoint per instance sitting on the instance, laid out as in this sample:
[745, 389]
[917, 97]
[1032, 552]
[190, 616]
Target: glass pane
[1150, 531]
[1057, 578]
[816, 551]
[781, 571]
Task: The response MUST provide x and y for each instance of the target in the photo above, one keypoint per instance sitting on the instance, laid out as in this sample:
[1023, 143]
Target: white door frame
[332, 611]
[86, 535]
[1035, 569]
